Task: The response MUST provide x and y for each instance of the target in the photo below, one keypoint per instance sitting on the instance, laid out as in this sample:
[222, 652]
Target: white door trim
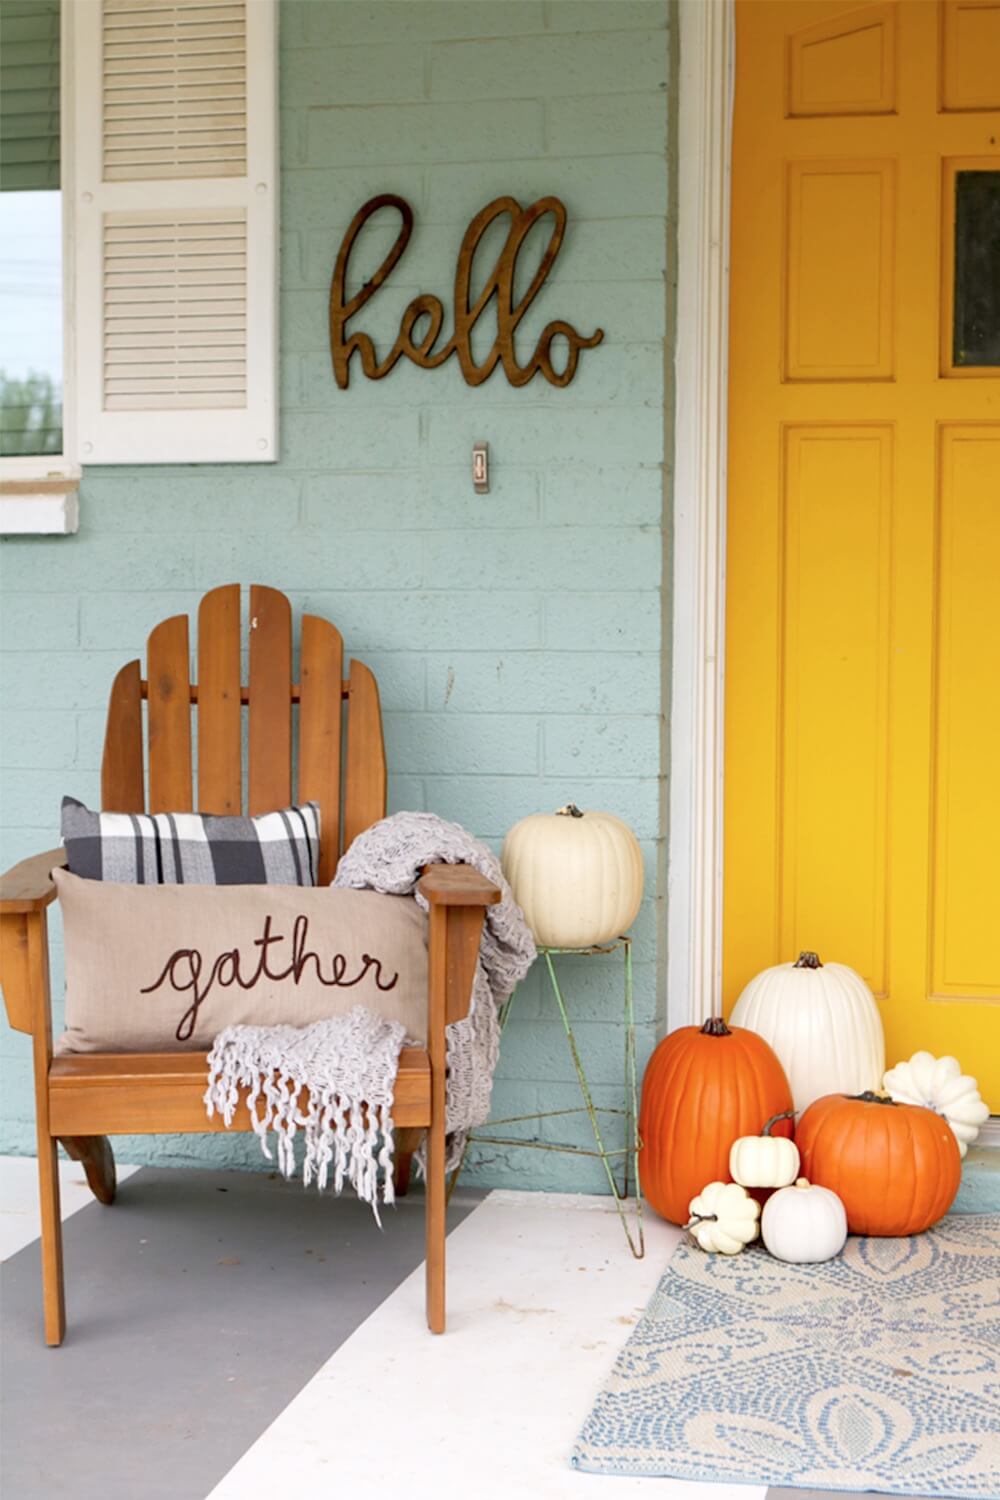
[694, 881]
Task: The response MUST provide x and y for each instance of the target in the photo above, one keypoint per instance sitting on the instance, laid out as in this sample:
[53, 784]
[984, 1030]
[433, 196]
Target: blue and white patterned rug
[879, 1370]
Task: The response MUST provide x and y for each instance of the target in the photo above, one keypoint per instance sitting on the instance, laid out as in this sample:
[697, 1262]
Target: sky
[31, 284]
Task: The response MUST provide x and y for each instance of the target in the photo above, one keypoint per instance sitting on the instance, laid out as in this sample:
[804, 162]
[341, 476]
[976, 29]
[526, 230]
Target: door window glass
[976, 325]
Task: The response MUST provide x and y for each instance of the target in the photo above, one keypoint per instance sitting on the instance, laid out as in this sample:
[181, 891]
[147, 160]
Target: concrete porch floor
[231, 1336]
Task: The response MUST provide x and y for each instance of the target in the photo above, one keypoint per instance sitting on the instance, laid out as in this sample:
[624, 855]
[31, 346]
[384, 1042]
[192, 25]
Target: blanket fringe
[348, 1133]
[349, 1069]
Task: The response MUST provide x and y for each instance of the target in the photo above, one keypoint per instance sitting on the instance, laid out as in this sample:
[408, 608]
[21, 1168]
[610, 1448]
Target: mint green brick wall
[516, 636]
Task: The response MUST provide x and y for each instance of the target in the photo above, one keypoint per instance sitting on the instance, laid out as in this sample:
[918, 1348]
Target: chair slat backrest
[365, 777]
[220, 720]
[122, 779]
[168, 670]
[270, 696]
[270, 701]
[321, 672]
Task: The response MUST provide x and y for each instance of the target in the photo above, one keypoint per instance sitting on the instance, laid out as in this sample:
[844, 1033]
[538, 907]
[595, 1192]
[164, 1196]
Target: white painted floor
[542, 1291]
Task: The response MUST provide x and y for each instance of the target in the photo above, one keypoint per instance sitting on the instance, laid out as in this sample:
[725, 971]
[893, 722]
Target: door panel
[833, 785]
[844, 66]
[839, 283]
[970, 47]
[863, 550]
[965, 926]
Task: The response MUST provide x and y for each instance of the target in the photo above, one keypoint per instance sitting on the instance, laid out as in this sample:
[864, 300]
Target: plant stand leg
[635, 1239]
[638, 1244]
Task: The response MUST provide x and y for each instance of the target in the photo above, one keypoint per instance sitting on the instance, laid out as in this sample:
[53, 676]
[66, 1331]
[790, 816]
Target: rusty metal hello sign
[421, 324]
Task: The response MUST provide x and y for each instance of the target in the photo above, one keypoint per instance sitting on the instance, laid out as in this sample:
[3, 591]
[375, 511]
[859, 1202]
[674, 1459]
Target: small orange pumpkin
[704, 1087]
[896, 1167]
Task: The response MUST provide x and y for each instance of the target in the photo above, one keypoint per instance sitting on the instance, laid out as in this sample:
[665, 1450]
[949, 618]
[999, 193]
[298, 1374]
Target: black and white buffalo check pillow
[278, 848]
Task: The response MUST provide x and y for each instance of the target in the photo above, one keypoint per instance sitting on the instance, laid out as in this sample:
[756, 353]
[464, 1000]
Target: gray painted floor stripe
[198, 1305]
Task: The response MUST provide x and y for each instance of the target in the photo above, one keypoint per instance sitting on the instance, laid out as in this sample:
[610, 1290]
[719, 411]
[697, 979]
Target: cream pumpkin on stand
[577, 876]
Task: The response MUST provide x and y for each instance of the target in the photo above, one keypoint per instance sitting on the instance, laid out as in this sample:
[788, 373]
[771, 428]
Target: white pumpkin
[724, 1218]
[938, 1083]
[576, 876]
[765, 1160]
[803, 1224]
[822, 1021]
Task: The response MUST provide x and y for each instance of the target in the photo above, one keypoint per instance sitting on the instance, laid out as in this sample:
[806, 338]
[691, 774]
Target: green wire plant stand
[629, 1153]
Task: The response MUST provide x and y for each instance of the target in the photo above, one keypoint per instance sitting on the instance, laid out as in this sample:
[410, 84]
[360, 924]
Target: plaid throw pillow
[279, 848]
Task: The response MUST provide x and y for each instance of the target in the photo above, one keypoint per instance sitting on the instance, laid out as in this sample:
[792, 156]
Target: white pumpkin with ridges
[576, 876]
[803, 1224]
[822, 1021]
[765, 1160]
[938, 1083]
[724, 1218]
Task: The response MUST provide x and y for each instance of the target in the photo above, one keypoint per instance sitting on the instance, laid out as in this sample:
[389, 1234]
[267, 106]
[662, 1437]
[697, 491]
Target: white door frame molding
[694, 881]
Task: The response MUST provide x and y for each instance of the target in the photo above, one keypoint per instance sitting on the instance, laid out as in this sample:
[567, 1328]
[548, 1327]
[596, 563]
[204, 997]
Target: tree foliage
[30, 415]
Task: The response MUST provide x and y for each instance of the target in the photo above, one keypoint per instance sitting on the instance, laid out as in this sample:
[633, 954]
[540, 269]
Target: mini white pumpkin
[938, 1083]
[724, 1218]
[765, 1160]
[804, 1223]
[822, 1021]
[577, 876]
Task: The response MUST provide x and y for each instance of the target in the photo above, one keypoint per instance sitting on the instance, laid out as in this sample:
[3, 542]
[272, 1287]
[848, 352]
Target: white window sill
[31, 506]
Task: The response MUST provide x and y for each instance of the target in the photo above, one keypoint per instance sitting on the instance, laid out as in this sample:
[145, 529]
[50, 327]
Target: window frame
[200, 433]
[57, 475]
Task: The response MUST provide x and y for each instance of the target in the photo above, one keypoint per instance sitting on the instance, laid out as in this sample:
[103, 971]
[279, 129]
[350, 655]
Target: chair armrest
[28, 886]
[458, 896]
[25, 892]
[456, 885]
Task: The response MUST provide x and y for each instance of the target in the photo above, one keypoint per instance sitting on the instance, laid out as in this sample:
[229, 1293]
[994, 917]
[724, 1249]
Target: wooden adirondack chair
[81, 1100]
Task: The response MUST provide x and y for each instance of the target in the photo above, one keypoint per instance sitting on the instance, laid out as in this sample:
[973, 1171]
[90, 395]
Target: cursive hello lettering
[427, 310]
[187, 972]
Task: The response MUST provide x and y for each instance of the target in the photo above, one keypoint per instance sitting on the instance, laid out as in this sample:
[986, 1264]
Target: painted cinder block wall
[517, 637]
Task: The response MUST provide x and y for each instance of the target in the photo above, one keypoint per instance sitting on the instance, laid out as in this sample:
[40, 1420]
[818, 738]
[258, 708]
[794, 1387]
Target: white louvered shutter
[173, 177]
[29, 95]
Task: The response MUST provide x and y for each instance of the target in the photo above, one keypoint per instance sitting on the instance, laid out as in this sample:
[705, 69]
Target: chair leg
[407, 1141]
[401, 1173]
[436, 1207]
[53, 1300]
[95, 1155]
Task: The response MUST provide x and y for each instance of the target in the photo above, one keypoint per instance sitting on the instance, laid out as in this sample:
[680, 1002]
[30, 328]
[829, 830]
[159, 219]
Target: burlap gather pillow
[165, 968]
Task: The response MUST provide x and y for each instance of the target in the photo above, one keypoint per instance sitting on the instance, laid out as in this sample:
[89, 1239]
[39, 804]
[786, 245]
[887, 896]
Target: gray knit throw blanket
[347, 1065]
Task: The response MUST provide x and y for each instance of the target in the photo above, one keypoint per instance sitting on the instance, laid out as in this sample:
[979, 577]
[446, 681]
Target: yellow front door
[862, 787]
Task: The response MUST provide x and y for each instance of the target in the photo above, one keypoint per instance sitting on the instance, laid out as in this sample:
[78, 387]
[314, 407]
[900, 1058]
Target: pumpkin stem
[569, 811]
[702, 1219]
[786, 1114]
[870, 1097]
[715, 1026]
[807, 961]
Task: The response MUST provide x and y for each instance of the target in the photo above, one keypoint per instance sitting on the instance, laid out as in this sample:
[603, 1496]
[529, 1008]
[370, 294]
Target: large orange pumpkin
[704, 1086]
[895, 1167]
